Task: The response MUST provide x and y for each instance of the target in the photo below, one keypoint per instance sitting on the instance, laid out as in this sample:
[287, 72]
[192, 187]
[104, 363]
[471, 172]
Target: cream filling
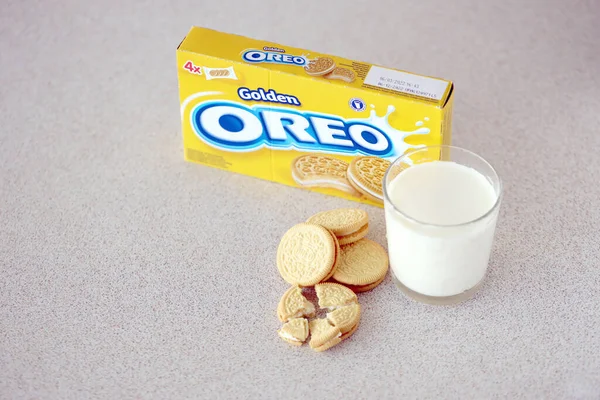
[288, 336]
[307, 311]
[322, 181]
[357, 182]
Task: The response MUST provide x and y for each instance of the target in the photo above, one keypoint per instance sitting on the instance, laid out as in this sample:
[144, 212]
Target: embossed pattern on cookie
[362, 263]
[345, 318]
[333, 295]
[306, 254]
[294, 305]
[295, 331]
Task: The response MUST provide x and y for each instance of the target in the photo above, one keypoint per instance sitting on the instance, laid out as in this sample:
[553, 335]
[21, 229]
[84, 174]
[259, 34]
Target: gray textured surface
[127, 273]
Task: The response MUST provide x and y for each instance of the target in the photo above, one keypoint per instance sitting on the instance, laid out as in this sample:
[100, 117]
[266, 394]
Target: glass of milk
[441, 206]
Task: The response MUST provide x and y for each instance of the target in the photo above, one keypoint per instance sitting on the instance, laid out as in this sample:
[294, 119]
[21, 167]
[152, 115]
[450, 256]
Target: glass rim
[442, 146]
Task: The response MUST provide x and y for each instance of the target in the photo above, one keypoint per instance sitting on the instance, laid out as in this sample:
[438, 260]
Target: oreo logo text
[236, 127]
[259, 56]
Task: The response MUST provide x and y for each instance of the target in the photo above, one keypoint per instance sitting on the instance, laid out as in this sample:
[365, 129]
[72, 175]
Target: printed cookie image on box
[315, 170]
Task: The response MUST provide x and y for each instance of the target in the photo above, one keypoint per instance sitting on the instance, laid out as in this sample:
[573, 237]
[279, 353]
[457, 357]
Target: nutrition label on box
[406, 83]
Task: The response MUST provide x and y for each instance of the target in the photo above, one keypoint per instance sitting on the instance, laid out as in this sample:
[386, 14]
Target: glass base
[438, 301]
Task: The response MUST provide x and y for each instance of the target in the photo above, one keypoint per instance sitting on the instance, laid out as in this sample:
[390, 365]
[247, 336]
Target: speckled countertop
[127, 273]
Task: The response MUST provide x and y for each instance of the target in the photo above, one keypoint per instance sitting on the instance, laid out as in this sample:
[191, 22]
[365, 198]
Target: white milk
[426, 256]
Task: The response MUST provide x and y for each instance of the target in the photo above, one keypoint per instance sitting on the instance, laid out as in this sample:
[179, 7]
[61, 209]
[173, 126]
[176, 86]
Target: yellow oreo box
[301, 118]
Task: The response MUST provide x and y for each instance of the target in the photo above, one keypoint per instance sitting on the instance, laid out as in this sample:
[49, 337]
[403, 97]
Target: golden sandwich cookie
[365, 288]
[307, 254]
[333, 295]
[323, 335]
[294, 305]
[295, 331]
[342, 303]
[362, 266]
[347, 224]
[345, 318]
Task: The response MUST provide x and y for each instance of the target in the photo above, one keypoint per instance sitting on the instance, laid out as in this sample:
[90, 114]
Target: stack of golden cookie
[330, 253]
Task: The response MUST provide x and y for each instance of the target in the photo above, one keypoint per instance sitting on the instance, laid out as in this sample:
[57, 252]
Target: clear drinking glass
[441, 207]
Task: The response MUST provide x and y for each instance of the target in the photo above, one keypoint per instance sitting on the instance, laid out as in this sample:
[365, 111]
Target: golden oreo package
[302, 118]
